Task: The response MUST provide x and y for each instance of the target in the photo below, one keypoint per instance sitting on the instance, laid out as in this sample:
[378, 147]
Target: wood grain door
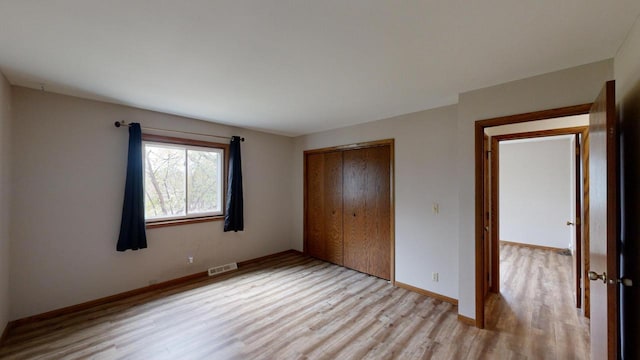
[586, 284]
[603, 196]
[487, 215]
[323, 214]
[577, 258]
[366, 196]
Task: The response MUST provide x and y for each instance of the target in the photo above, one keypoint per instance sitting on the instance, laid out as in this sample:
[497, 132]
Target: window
[183, 180]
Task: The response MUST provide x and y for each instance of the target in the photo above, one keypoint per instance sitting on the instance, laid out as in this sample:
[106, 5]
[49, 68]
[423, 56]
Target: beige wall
[425, 170]
[435, 163]
[69, 170]
[572, 86]
[627, 72]
[5, 191]
[537, 191]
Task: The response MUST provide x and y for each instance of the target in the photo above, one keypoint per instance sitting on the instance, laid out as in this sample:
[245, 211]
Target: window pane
[203, 180]
[165, 181]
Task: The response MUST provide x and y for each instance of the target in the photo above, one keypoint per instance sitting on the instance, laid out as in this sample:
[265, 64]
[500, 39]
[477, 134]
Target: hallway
[535, 314]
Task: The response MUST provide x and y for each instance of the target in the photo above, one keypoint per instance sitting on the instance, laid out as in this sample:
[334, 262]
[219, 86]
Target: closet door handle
[354, 214]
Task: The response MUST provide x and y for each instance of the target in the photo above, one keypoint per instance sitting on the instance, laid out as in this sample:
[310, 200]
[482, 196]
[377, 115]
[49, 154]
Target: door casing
[480, 127]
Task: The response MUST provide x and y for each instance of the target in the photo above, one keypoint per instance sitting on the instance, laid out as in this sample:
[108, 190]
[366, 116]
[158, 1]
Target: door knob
[625, 281]
[595, 276]
[569, 223]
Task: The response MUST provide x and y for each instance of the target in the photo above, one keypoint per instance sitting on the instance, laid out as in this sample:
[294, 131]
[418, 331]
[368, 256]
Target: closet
[348, 206]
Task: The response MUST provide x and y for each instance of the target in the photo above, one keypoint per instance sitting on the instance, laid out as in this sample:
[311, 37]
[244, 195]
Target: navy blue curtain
[233, 218]
[132, 227]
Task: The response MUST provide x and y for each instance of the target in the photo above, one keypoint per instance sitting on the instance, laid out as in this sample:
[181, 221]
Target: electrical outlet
[434, 276]
[190, 259]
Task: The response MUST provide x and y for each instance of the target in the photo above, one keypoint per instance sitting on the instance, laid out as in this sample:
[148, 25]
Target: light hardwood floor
[535, 315]
[295, 307]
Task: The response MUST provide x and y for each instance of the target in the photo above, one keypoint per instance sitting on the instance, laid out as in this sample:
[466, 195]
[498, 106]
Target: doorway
[487, 273]
[602, 185]
[541, 286]
[535, 268]
[533, 215]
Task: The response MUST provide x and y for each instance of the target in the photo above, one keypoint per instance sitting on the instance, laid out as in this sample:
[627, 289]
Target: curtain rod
[122, 123]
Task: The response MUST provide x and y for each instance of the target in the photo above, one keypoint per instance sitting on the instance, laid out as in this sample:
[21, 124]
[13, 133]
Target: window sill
[165, 223]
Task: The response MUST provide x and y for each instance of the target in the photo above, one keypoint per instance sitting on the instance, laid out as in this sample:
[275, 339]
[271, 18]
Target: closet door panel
[377, 219]
[366, 210]
[324, 206]
[333, 207]
[356, 250]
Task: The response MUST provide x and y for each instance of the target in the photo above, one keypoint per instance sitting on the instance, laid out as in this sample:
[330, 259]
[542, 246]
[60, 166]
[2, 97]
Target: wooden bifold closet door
[324, 206]
[348, 208]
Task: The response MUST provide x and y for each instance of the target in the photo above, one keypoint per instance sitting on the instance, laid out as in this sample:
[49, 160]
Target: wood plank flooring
[535, 315]
[293, 307]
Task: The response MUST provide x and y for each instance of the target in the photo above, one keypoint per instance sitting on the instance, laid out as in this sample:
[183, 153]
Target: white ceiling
[298, 66]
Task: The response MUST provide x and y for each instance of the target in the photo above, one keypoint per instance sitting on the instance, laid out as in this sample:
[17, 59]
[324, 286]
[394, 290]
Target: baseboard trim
[538, 247]
[109, 299]
[199, 276]
[267, 257]
[466, 320]
[427, 293]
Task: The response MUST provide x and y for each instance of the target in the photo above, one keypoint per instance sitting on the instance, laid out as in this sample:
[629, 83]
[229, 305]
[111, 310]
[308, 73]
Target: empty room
[319, 179]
